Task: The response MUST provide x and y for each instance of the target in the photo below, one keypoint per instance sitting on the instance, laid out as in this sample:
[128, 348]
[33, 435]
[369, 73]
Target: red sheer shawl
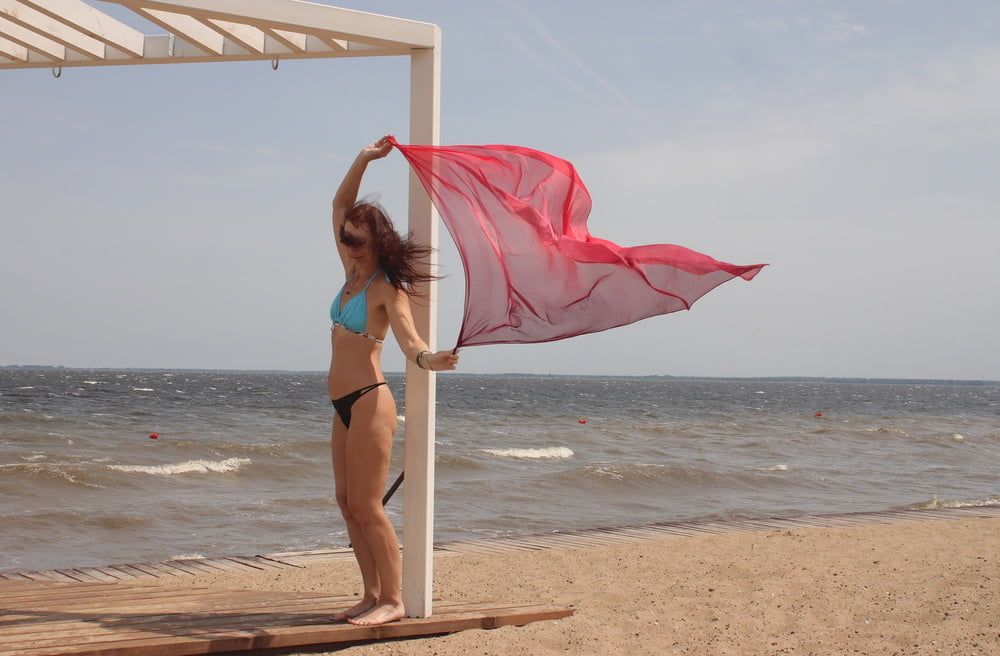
[534, 273]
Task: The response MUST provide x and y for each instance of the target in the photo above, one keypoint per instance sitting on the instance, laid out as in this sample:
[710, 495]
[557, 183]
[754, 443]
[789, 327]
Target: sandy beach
[925, 587]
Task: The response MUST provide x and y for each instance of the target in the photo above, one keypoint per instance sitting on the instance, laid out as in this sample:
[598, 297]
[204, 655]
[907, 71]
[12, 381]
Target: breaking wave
[189, 467]
[533, 454]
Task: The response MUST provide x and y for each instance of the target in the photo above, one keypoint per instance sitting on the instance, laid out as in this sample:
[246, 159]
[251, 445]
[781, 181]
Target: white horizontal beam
[190, 29]
[57, 31]
[306, 17]
[92, 22]
[158, 51]
[31, 40]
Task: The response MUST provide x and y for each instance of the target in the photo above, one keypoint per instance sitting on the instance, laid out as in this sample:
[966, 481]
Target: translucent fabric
[534, 273]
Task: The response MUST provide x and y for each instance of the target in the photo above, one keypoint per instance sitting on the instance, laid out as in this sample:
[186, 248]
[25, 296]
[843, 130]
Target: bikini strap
[371, 280]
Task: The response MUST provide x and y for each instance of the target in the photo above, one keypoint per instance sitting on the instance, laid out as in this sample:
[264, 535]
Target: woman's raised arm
[347, 193]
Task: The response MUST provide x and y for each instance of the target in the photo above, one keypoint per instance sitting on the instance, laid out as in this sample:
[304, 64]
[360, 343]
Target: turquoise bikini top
[354, 315]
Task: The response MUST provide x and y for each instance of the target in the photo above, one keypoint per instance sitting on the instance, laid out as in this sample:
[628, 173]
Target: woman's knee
[366, 511]
[345, 507]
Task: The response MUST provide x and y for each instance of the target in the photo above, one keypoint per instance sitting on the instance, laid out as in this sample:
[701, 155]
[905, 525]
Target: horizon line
[516, 373]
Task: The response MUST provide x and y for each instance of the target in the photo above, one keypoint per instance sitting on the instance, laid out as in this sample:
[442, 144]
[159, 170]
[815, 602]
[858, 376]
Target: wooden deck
[136, 619]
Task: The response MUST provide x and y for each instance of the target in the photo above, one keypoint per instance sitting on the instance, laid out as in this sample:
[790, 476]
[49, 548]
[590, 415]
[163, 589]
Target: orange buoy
[154, 436]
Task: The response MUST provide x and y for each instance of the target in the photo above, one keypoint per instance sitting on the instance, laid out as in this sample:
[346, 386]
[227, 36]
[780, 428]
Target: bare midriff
[354, 362]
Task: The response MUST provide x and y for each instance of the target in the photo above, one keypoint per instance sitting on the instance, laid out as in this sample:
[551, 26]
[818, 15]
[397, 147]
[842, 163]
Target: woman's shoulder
[382, 288]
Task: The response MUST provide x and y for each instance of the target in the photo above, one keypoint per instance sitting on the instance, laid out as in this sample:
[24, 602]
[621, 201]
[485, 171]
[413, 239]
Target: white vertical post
[418, 490]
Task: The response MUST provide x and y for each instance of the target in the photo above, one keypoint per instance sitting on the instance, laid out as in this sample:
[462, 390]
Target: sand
[928, 587]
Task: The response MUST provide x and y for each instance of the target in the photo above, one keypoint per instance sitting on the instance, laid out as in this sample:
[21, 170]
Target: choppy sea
[242, 461]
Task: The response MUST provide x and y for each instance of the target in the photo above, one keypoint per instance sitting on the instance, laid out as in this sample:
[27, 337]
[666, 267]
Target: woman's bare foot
[380, 614]
[362, 606]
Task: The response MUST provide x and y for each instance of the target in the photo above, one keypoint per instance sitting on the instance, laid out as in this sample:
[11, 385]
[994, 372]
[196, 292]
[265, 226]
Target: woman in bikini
[381, 272]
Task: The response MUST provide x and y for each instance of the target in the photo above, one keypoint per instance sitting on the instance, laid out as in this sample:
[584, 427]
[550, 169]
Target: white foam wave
[189, 467]
[400, 418]
[882, 429]
[775, 468]
[548, 452]
[90, 382]
[143, 389]
[194, 556]
[936, 503]
[958, 437]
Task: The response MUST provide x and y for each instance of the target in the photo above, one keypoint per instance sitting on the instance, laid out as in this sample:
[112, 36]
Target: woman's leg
[369, 575]
[369, 446]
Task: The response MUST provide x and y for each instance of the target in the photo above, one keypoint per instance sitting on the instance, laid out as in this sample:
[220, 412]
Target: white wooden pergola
[65, 33]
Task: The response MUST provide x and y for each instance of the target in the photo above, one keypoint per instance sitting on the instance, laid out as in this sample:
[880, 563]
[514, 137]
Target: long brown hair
[397, 256]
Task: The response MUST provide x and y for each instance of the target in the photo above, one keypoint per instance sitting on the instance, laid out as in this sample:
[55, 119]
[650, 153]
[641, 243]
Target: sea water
[242, 463]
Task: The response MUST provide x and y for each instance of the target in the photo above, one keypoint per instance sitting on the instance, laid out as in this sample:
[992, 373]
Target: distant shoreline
[762, 379]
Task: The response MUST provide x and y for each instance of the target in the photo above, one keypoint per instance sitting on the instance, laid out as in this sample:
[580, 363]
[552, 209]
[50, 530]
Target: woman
[381, 273]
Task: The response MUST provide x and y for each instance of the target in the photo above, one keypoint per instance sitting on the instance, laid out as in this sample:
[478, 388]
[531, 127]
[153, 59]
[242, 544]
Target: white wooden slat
[159, 51]
[14, 52]
[31, 40]
[249, 37]
[190, 29]
[335, 44]
[92, 22]
[305, 17]
[57, 31]
[292, 40]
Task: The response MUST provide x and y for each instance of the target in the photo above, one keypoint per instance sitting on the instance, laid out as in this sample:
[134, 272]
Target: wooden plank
[470, 548]
[555, 541]
[490, 547]
[160, 569]
[254, 563]
[282, 563]
[82, 575]
[56, 590]
[147, 571]
[81, 600]
[128, 571]
[197, 564]
[238, 615]
[315, 552]
[613, 536]
[298, 636]
[38, 576]
[597, 539]
[214, 602]
[583, 540]
[180, 567]
[522, 543]
[563, 541]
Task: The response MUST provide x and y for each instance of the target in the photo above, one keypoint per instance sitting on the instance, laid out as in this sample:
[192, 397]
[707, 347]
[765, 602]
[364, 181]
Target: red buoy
[154, 436]
[582, 420]
[818, 414]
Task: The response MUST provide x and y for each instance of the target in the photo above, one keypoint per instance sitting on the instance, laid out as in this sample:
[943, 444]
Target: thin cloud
[539, 28]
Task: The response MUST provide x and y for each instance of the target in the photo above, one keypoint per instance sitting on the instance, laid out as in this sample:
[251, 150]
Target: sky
[178, 216]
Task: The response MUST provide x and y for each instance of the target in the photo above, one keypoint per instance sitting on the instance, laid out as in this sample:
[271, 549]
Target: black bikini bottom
[344, 403]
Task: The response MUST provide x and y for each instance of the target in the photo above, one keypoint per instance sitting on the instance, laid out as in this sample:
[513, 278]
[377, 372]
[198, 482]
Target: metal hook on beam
[57, 72]
[274, 64]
